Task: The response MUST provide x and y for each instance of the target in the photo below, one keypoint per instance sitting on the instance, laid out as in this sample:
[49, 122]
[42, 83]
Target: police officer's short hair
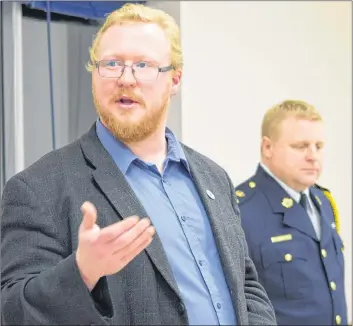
[275, 115]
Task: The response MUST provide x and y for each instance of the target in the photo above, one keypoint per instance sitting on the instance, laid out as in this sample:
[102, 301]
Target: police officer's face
[296, 153]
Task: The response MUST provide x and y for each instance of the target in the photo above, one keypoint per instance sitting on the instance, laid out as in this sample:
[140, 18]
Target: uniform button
[323, 253]
[338, 320]
[333, 286]
[288, 257]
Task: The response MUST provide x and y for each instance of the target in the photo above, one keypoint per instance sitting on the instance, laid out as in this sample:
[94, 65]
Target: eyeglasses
[141, 70]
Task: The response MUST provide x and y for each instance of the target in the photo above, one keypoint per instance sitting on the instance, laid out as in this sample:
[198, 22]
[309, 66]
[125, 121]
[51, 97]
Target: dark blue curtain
[84, 9]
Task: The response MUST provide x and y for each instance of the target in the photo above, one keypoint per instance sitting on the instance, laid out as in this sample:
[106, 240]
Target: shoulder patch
[245, 191]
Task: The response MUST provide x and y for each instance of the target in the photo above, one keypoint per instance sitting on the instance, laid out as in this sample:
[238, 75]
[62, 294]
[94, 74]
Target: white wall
[243, 57]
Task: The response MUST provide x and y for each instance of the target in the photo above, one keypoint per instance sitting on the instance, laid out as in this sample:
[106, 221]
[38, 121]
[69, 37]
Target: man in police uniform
[291, 223]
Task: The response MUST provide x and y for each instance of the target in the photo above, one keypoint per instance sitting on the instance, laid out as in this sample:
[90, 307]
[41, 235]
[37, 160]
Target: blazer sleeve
[40, 282]
[260, 309]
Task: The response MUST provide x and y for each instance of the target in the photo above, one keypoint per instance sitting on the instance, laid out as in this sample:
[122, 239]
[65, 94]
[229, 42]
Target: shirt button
[219, 306]
[183, 218]
[181, 308]
[200, 262]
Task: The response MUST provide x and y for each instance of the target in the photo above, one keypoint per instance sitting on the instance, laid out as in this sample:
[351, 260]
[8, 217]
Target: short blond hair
[275, 115]
[138, 13]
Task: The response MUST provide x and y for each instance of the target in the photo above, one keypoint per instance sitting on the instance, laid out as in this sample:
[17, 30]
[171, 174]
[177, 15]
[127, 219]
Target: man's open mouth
[126, 100]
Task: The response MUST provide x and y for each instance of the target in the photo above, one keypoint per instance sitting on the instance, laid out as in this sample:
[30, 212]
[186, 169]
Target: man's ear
[266, 147]
[176, 80]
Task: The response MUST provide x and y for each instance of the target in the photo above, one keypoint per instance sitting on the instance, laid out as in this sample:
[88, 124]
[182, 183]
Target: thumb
[89, 218]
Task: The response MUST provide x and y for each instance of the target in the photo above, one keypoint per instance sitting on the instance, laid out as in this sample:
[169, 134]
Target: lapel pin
[240, 193]
[287, 202]
[210, 194]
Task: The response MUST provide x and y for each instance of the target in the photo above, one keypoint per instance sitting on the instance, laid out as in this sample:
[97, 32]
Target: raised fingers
[135, 247]
[130, 235]
[112, 232]
[130, 255]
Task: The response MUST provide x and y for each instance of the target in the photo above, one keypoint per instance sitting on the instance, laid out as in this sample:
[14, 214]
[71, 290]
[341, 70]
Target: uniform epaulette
[333, 204]
[321, 187]
[245, 191]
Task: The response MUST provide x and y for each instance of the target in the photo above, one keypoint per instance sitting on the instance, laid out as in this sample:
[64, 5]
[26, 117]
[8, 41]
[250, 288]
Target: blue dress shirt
[172, 203]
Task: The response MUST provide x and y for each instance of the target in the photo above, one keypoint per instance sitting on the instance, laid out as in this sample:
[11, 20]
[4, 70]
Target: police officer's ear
[266, 147]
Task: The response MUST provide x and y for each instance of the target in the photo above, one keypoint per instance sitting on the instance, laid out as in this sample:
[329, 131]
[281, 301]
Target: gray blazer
[40, 217]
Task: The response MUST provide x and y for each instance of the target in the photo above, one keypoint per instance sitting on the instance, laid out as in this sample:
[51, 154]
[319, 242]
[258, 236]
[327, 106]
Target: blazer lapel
[294, 214]
[297, 218]
[111, 181]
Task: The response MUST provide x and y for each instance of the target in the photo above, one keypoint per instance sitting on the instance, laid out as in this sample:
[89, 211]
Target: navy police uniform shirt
[303, 273]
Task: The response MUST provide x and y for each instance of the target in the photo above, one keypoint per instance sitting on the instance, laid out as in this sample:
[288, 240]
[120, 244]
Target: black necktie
[304, 201]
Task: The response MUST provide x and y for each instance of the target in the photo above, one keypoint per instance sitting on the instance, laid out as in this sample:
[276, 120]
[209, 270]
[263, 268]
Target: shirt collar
[123, 156]
[290, 191]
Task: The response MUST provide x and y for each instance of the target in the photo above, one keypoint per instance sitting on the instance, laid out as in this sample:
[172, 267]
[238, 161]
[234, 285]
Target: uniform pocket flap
[283, 252]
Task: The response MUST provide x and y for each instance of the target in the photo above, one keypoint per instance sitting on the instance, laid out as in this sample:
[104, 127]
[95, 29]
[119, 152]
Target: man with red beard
[291, 224]
[158, 239]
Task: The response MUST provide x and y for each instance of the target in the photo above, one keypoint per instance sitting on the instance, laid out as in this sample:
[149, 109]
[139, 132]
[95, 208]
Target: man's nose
[312, 153]
[127, 78]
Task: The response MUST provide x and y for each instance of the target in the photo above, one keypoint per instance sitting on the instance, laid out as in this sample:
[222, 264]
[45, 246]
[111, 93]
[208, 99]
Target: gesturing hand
[106, 251]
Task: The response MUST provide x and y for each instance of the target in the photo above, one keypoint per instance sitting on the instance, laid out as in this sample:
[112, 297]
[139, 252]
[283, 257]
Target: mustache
[130, 94]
